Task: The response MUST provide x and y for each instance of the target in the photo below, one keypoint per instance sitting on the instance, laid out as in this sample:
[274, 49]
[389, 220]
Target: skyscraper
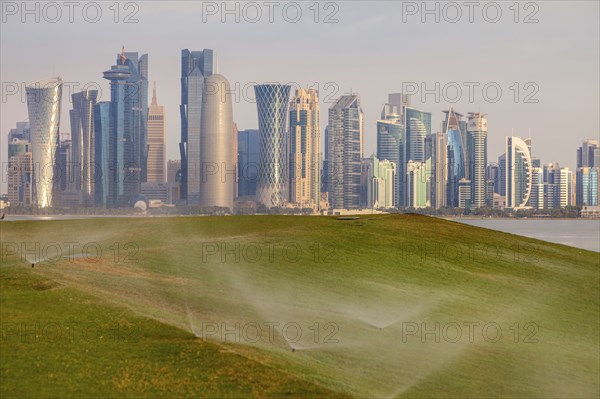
[304, 146]
[558, 186]
[536, 200]
[81, 171]
[248, 162]
[217, 160]
[456, 162]
[518, 173]
[103, 151]
[390, 146]
[345, 152]
[588, 155]
[272, 102]
[417, 127]
[397, 103]
[587, 186]
[128, 127]
[20, 169]
[439, 169]
[325, 167]
[21, 132]
[43, 105]
[195, 66]
[377, 180]
[477, 136]
[156, 141]
[417, 179]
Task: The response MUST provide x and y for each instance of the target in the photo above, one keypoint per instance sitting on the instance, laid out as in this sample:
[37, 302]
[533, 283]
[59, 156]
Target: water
[577, 233]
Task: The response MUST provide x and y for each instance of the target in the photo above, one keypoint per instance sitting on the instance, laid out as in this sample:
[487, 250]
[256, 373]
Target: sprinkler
[33, 264]
[293, 349]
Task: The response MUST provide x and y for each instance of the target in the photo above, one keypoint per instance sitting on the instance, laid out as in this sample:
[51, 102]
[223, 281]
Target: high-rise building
[456, 162]
[345, 152]
[63, 161]
[492, 173]
[128, 127]
[587, 186]
[518, 173]
[80, 166]
[536, 200]
[558, 186]
[43, 104]
[377, 183]
[390, 145]
[195, 67]
[20, 170]
[464, 193]
[325, 166]
[417, 126]
[156, 141]
[21, 132]
[103, 151]
[588, 155]
[417, 178]
[217, 160]
[501, 186]
[477, 136]
[272, 102]
[248, 162]
[397, 103]
[304, 146]
[17, 146]
[439, 168]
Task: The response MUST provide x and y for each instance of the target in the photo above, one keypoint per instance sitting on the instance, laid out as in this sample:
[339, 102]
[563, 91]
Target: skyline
[567, 87]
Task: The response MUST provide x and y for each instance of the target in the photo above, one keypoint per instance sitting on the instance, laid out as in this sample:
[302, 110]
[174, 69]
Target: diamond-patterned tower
[272, 102]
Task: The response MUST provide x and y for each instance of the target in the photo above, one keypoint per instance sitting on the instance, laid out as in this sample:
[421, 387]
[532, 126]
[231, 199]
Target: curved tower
[519, 173]
[272, 102]
[43, 105]
[217, 161]
[456, 161]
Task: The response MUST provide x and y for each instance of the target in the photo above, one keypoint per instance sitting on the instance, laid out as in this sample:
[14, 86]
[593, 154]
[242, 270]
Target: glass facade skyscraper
[248, 158]
[128, 127]
[103, 172]
[195, 67]
[390, 146]
[456, 161]
[418, 125]
[43, 104]
[272, 102]
[587, 186]
[82, 144]
[345, 152]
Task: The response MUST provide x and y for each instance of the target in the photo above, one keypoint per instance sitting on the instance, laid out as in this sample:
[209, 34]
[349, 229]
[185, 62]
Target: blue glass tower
[102, 172]
[128, 127]
[418, 125]
[195, 67]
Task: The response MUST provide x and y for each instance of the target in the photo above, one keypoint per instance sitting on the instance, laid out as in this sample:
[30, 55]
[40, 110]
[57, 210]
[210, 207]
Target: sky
[532, 67]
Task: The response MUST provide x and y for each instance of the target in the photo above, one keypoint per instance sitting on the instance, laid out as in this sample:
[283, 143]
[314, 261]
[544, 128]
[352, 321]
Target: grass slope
[360, 284]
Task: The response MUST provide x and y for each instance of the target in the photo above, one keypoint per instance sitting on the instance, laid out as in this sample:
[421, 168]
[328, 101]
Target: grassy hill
[383, 306]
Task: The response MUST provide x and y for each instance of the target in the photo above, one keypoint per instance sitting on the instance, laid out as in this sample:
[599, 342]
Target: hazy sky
[373, 49]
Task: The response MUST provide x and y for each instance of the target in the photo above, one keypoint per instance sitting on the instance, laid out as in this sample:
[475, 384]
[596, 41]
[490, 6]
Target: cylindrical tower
[272, 102]
[218, 169]
[43, 104]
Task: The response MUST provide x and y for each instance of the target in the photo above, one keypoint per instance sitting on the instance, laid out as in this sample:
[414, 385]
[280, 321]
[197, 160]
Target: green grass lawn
[383, 306]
